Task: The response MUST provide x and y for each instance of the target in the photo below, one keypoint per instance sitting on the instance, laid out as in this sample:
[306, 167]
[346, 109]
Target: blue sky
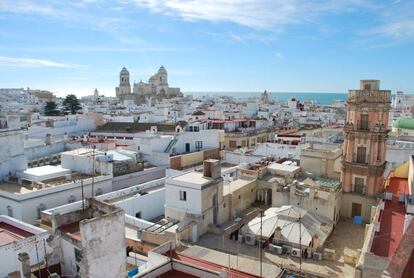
[213, 45]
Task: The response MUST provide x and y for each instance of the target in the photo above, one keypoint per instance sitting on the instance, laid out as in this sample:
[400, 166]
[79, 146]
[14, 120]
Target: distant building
[265, 98]
[366, 134]
[156, 89]
[403, 103]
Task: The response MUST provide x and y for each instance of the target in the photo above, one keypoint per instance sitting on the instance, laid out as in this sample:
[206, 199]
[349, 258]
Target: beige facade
[322, 160]
[323, 196]
[234, 140]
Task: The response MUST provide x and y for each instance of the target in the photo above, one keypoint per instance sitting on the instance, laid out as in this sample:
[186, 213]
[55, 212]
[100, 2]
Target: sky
[208, 46]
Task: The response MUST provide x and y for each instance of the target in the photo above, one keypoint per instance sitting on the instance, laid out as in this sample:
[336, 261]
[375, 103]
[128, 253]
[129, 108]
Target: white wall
[12, 156]
[191, 205]
[150, 205]
[25, 206]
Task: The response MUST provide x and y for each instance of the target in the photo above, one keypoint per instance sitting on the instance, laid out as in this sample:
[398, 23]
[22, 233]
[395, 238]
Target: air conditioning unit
[272, 248]
[295, 252]
[275, 249]
[317, 256]
[286, 249]
[250, 240]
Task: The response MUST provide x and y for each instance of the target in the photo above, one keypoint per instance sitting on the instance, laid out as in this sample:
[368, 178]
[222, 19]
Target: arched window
[10, 211]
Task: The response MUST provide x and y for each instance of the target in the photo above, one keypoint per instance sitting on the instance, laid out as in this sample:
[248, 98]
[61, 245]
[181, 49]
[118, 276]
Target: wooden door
[356, 209]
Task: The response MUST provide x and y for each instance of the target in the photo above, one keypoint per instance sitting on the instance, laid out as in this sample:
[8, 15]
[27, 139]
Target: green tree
[51, 109]
[71, 103]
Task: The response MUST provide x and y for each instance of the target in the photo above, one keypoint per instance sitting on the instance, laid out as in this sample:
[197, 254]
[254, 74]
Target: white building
[39, 188]
[12, 156]
[21, 246]
[196, 199]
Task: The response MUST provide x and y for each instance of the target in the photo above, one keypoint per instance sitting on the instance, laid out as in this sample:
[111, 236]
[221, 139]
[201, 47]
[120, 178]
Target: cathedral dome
[405, 123]
[124, 70]
[162, 70]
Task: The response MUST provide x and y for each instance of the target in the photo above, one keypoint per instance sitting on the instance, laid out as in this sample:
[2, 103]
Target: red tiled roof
[391, 220]
[402, 262]
[9, 233]
[72, 230]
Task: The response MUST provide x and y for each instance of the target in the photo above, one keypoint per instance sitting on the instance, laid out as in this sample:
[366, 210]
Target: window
[40, 208]
[138, 214]
[78, 255]
[10, 211]
[199, 145]
[367, 87]
[99, 191]
[361, 154]
[359, 185]
[183, 195]
[364, 122]
[71, 199]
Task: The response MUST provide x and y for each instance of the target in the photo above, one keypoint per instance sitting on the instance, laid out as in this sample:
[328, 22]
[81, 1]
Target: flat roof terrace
[43, 173]
[195, 178]
[28, 187]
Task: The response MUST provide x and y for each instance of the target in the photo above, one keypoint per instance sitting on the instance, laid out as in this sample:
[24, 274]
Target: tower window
[361, 154]
[364, 122]
[359, 185]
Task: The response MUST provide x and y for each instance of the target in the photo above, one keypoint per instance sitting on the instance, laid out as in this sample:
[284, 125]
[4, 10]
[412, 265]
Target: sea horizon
[318, 97]
[324, 98]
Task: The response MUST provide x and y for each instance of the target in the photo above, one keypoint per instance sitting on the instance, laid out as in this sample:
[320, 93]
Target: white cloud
[396, 21]
[31, 63]
[264, 14]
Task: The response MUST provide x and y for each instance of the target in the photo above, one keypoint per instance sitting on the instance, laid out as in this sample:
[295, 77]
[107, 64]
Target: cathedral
[156, 89]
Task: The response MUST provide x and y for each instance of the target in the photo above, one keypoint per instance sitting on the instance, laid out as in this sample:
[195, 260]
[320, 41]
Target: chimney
[25, 269]
[212, 168]
[48, 139]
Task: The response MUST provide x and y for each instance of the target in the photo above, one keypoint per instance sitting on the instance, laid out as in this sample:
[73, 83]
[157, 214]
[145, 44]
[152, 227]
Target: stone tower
[124, 87]
[365, 142]
[163, 76]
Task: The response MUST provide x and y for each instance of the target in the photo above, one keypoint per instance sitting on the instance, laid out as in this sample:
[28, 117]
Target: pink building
[364, 149]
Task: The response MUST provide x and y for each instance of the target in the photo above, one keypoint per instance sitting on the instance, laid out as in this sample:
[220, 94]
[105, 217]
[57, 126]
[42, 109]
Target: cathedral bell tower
[365, 143]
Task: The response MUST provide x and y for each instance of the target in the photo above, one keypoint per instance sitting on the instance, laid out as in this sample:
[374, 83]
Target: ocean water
[322, 98]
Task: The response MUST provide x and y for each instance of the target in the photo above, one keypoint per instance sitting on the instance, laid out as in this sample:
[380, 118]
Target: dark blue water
[322, 98]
